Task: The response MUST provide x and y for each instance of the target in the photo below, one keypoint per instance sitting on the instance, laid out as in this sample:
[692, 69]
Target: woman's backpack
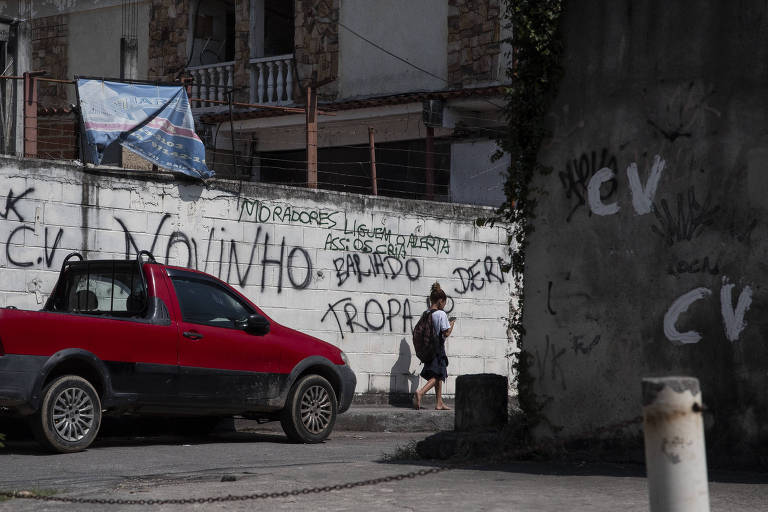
[425, 338]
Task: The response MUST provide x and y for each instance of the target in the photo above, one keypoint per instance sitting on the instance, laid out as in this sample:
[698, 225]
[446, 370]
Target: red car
[143, 338]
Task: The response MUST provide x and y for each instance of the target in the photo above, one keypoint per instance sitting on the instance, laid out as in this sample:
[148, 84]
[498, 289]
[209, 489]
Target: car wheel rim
[316, 409]
[73, 414]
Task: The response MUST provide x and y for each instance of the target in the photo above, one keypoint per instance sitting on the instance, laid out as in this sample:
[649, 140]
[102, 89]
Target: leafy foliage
[534, 78]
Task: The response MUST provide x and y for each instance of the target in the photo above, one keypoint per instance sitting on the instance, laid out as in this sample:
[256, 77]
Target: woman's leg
[420, 393]
[440, 406]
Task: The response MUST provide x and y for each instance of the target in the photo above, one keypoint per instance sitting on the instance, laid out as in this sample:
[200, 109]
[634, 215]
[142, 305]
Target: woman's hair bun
[436, 288]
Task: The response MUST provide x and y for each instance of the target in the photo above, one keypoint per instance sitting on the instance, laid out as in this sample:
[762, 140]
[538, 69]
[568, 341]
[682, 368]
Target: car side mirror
[257, 325]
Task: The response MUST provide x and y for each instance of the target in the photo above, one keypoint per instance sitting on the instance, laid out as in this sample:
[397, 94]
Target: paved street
[165, 467]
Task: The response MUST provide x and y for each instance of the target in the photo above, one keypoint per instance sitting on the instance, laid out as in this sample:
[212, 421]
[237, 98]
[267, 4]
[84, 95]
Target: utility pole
[373, 161]
[311, 137]
[430, 164]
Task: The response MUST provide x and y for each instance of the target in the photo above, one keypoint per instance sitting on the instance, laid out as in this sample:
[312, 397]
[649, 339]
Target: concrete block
[481, 403]
[62, 214]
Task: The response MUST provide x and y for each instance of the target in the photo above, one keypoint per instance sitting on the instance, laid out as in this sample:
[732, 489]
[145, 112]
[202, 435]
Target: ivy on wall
[534, 77]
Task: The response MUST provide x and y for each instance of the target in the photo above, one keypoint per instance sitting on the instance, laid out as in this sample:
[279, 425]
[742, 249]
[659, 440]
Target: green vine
[534, 78]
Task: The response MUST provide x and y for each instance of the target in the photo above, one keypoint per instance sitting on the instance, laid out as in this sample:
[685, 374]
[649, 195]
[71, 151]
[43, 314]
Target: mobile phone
[452, 319]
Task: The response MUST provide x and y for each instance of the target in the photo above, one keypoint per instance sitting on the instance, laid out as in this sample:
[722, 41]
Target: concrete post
[675, 457]
[481, 402]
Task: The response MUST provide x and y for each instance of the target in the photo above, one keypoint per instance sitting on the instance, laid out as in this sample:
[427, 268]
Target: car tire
[310, 411]
[70, 415]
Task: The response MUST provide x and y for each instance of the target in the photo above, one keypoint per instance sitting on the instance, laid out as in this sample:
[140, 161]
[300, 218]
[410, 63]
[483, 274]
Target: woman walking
[436, 371]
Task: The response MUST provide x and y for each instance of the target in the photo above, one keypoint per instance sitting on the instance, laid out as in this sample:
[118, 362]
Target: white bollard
[675, 457]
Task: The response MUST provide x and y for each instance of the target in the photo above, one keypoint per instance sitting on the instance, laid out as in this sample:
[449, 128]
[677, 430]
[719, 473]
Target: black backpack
[425, 338]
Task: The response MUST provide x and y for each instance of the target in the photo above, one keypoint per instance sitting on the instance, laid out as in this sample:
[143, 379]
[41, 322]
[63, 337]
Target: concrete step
[375, 418]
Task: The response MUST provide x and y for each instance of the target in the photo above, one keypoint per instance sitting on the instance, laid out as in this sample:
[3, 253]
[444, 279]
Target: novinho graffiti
[225, 261]
[372, 316]
[389, 267]
[476, 276]
[578, 173]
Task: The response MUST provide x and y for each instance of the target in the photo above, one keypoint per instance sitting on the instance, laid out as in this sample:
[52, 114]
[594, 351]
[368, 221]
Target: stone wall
[473, 41]
[352, 270]
[168, 30]
[241, 79]
[50, 41]
[317, 44]
[57, 136]
[648, 255]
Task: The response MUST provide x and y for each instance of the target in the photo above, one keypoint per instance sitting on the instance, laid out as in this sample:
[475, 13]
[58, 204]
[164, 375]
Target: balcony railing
[211, 82]
[272, 80]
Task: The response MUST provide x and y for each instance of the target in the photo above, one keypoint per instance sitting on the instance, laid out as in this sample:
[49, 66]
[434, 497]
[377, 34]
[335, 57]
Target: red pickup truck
[138, 337]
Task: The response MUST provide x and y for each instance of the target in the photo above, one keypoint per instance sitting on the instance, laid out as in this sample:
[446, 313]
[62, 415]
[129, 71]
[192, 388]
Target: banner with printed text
[153, 121]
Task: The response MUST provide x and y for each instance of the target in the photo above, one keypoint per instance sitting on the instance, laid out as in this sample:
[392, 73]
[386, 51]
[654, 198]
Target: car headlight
[344, 358]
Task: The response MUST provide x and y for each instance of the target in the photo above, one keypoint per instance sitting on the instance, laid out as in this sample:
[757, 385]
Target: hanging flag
[153, 121]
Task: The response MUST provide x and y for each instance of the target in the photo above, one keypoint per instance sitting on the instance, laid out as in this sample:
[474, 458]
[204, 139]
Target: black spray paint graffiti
[475, 276]
[695, 266]
[372, 317]
[353, 236]
[388, 267]
[690, 219]
[259, 211]
[49, 250]
[580, 347]
[549, 300]
[577, 174]
[227, 263]
[51, 243]
[10, 204]
[550, 361]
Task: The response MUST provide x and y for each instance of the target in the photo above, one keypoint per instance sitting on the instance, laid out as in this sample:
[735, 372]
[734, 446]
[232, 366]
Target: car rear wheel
[70, 415]
[310, 411]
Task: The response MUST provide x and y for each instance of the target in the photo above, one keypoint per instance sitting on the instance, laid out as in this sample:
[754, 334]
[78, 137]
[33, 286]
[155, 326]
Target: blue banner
[155, 122]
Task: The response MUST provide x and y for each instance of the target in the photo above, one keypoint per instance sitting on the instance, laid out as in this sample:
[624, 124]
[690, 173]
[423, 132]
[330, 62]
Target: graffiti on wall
[271, 261]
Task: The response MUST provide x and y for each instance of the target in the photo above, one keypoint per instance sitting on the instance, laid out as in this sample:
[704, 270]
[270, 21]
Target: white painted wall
[414, 31]
[94, 42]
[43, 218]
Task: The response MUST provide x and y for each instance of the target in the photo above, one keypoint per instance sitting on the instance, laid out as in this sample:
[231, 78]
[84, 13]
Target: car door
[220, 364]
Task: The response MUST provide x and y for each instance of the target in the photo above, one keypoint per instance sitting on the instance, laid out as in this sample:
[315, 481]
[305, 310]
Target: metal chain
[217, 499]
[311, 490]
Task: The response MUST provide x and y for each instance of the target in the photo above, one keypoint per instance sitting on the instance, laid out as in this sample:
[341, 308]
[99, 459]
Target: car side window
[206, 303]
[100, 289]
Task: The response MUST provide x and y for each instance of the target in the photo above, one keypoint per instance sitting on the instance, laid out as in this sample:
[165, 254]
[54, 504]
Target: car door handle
[193, 335]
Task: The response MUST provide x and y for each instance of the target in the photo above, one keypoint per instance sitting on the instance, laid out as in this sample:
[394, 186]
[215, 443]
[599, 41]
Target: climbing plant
[534, 75]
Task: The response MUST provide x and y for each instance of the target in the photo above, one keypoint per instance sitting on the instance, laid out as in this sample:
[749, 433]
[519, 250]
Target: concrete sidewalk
[377, 418]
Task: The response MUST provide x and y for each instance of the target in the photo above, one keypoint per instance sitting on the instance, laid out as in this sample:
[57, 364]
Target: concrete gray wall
[414, 31]
[649, 251]
[352, 270]
[475, 179]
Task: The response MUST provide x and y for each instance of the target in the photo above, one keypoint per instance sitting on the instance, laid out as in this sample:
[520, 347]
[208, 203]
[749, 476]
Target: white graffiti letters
[593, 193]
[642, 197]
[733, 319]
[678, 307]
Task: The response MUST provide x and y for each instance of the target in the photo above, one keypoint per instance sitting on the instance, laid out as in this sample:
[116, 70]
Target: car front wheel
[70, 415]
[310, 411]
